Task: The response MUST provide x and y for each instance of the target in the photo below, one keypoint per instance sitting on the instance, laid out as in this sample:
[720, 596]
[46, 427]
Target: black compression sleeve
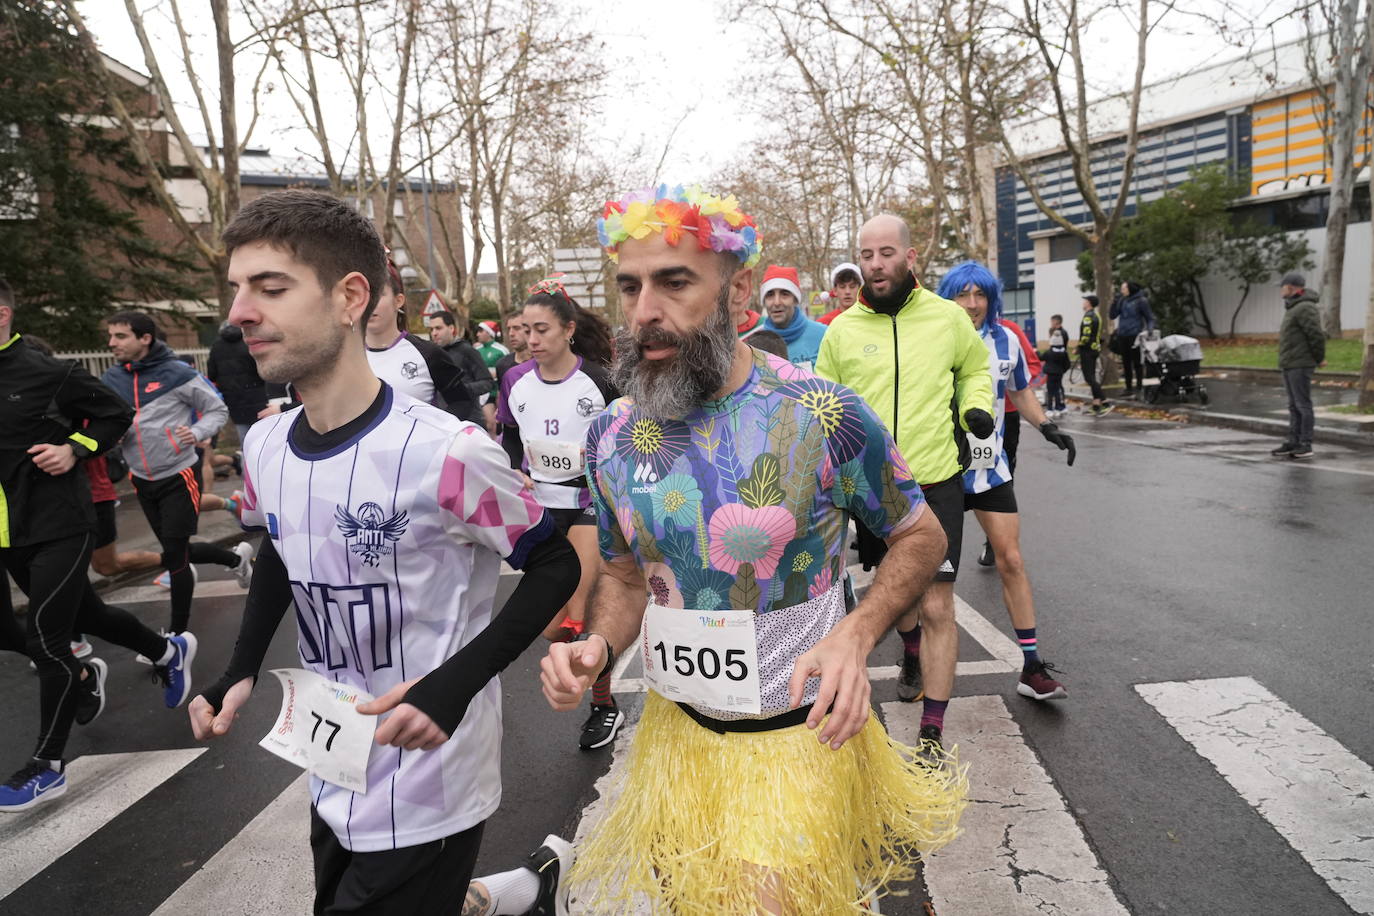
[83, 397]
[268, 598]
[514, 446]
[551, 575]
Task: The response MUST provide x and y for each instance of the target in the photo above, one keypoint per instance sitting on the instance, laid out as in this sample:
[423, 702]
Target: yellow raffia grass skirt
[706, 820]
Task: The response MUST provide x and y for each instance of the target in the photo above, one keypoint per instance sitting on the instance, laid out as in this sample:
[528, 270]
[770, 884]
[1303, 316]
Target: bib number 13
[704, 662]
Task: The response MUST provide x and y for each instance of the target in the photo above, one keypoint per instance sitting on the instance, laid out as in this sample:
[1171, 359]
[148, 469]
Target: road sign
[434, 304]
[583, 274]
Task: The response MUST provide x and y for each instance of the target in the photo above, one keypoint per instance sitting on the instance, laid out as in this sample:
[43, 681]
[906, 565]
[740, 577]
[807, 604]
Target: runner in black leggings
[46, 534]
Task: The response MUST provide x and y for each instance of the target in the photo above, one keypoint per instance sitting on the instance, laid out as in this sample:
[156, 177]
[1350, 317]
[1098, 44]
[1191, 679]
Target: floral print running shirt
[743, 504]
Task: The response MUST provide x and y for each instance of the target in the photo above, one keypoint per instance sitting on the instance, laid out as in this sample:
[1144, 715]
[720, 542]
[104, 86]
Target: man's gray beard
[689, 379]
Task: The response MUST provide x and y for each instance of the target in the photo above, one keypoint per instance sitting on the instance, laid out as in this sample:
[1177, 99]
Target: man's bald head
[888, 226]
[885, 253]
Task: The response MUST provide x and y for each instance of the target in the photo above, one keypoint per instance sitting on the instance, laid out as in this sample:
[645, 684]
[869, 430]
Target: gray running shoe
[909, 686]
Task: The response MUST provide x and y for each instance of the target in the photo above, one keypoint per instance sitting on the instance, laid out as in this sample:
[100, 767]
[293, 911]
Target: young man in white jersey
[987, 482]
[387, 520]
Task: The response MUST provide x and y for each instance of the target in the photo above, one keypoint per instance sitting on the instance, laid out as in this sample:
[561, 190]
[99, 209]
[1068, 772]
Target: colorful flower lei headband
[718, 222]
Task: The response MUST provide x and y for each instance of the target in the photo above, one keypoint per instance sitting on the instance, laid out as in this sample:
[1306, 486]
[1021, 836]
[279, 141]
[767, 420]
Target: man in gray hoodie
[174, 408]
[1302, 348]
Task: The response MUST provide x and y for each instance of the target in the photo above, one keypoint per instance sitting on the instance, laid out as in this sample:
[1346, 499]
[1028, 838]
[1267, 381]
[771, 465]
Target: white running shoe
[244, 571]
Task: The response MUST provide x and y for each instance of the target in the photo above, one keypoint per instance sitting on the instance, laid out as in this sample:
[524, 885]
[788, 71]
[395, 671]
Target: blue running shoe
[34, 784]
[175, 676]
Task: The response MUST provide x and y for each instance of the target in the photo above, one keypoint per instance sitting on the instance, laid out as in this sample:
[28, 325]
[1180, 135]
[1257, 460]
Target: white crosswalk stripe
[271, 855]
[1316, 793]
[1019, 850]
[100, 787]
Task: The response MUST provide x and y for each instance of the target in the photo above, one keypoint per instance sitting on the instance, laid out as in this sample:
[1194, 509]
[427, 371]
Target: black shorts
[1001, 498]
[105, 530]
[429, 878]
[563, 519]
[172, 504]
[946, 500]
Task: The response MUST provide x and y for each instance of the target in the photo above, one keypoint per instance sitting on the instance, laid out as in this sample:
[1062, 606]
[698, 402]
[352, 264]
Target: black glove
[979, 422]
[1052, 435]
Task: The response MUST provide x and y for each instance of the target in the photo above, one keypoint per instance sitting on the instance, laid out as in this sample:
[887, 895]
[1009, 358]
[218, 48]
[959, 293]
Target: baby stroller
[1171, 367]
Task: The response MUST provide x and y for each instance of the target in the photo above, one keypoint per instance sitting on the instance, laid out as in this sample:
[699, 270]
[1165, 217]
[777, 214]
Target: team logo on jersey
[369, 532]
[584, 407]
[409, 369]
[520, 408]
[871, 348]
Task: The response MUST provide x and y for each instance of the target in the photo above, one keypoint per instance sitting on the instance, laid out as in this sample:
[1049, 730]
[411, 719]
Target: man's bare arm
[913, 558]
[615, 613]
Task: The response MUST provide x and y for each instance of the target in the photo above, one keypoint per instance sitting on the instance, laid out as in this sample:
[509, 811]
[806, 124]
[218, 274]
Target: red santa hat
[784, 278]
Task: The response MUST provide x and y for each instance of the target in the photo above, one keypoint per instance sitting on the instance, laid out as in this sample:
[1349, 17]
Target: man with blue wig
[987, 482]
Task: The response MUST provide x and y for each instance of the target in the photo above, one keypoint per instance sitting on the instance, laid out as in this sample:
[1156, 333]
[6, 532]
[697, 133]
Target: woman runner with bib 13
[545, 406]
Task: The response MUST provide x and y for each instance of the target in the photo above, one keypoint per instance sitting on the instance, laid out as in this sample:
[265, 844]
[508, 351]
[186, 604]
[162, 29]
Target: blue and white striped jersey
[1007, 364]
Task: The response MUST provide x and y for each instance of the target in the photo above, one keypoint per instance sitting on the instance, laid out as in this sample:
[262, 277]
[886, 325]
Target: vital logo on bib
[369, 532]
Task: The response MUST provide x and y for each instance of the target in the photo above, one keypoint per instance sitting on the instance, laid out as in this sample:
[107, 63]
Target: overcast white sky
[689, 58]
[667, 59]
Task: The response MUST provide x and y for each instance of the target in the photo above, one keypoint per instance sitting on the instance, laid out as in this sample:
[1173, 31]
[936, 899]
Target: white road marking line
[1254, 459]
[997, 644]
[271, 855]
[99, 788]
[1020, 850]
[1316, 794]
[145, 594]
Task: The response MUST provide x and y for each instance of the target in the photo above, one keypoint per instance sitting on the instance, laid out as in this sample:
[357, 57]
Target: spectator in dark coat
[1302, 348]
[1132, 314]
[235, 373]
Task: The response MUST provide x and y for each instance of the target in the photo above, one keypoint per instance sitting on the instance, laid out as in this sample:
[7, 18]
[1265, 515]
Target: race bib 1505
[320, 730]
[702, 658]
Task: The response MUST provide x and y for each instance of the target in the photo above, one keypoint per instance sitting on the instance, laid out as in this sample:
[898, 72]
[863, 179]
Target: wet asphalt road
[1167, 553]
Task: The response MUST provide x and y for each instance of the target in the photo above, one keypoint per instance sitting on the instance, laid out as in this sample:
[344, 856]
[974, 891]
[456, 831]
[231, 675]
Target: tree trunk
[1334, 266]
[229, 136]
[1354, 44]
[1102, 277]
[1244, 294]
[1366, 383]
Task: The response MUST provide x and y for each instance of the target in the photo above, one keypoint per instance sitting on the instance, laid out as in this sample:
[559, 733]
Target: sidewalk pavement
[216, 527]
[1257, 404]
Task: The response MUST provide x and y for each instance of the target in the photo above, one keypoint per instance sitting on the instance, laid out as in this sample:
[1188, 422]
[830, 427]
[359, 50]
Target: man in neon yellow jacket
[918, 362]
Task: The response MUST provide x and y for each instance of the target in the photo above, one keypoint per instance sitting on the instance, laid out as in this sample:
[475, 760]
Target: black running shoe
[909, 686]
[930, 748]
[90, 699]
[985, 557]
[600, 728]
[550, 863]
[1283, 451]
[1301, 452]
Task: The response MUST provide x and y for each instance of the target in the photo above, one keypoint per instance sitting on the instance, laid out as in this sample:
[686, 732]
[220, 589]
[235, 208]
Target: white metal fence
[97, 361]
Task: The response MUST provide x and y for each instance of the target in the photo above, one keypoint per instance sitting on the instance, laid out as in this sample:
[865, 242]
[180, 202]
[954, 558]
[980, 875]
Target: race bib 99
[702, 658]
[982, 452]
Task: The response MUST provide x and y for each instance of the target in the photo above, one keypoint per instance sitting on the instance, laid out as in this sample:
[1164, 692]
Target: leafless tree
[216, 171]
[1338, 47]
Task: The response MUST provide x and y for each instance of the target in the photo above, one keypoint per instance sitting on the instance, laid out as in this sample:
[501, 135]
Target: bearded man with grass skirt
[759, 779]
